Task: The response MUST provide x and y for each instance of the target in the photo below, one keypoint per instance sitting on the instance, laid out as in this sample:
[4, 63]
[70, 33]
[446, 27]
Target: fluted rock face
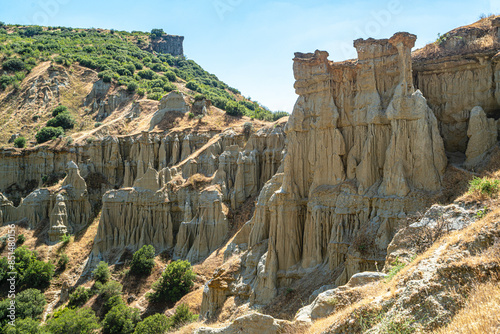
[362, 147]
[172, 103]
[483, 134]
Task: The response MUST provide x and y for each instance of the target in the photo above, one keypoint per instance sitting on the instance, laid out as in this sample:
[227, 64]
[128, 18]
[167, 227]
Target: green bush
[154, 324]
[171, 76]
[132, 86]
[48, 133]
[59, 110]
[182, 316]
[65, 239]
[24, 326]
[143, 261]
[79, 297]
[155, 96]
[74, 321]
[110, 289]
[38, 275]
[174, 283]
[64, 120]
[20, 142]
[141, 92]
[121, 319]
[234, 109]
[194, 86]
[112, 302]
[29, 304]
[14, 64]
[190, 115]
[106, 76]
[485, 186]
[62, 262]
[147, 74]
[157, 32]
[101, 273]
[21, 239]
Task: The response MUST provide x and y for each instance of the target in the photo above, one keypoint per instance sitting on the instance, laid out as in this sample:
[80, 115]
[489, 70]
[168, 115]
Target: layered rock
[173, 102]
[483, 137]
[363, 150]
[168, 44]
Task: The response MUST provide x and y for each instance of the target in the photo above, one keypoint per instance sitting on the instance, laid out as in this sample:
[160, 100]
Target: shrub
[154, 324]
[234, 109]
[143, 261]
[110, 289]
[396, 267]
[74, 321]
[101, 273]
[48, 133]
[141, 92]
[157, 32]
[182, 315]
[24, 326]
[199, 97]
[79, 297]
[170, 76]
[484, 186]
[112, 302]
[175, 282]
[14, 64]
[194, 86]
[155, 96]
[59, 110]
[147, 74]
[20, 142]
[132, 86]
[21, 239]
[62, 262]
[30, 304]
[247, 128]
[65, 239]
[38, 275]
[190, 115]
[97, 124]
[121, 319]
[106, 76]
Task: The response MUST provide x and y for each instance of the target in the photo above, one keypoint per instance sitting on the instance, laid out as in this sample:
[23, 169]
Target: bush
[121, 319]
[21, 239]
[24, 326]
[30, 304]
[234, 109]
[14, 64]
[147, 74]
[141, 92]
[194, 86]
[155, 324]
[48, 133]
[74, 321]
[65, 239]
[101, 273]
[79, 297]
[132, 86]
[484, 186]
[59, 110]
[157, 32]
[111, 302]
[155, 96]
[171, 76]
[106, 76]
[110, 289]
[20, 142]
[38, 275]
[182, 316]
[62, 262]
[143, 261]
[64, 120]
[190, 115]
[174, 283]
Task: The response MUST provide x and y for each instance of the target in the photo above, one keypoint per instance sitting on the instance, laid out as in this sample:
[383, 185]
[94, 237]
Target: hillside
[105, 78]
[372, 208]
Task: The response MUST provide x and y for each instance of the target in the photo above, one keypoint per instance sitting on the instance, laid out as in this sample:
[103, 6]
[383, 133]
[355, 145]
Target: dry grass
[481, 314]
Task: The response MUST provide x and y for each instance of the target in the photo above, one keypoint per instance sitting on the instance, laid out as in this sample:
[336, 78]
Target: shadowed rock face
[363, 150]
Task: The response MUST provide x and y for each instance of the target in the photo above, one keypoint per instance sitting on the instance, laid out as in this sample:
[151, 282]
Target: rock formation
[173, 102]
[483, 136]
[362, 145]
[168, 44]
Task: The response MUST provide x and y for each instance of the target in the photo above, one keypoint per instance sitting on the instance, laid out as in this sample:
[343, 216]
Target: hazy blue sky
[250, 43]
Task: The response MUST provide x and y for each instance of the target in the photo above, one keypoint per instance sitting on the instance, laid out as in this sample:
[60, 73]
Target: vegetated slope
[46, 67]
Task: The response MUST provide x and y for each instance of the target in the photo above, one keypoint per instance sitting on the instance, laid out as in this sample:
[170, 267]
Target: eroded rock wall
[363, 150]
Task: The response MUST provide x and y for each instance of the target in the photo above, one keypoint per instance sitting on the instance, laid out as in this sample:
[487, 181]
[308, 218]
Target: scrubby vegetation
[118, 58]
[143, 261]
[175, 282]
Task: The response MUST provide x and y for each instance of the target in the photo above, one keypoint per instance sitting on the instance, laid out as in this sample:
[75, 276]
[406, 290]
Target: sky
[250, 44]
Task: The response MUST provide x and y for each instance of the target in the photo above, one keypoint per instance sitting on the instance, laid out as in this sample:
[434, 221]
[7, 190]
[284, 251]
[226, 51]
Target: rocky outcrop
[483, 137]
[362, 147]
[173, 102]
[249, 324]
[168, 44]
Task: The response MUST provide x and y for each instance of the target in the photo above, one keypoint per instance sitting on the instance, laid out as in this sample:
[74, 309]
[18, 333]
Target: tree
[101, 273]
[80, 321]
[79, 297]
[29, 304]
[174, 283]
[13, 64]
[154, 324]
[182, 315]
[143, 261]
[24, 326]
[121, 319]
[157, 32]
[20, 142]
[38, 275]
[64, 120]
[48, 133]
[59, 110]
